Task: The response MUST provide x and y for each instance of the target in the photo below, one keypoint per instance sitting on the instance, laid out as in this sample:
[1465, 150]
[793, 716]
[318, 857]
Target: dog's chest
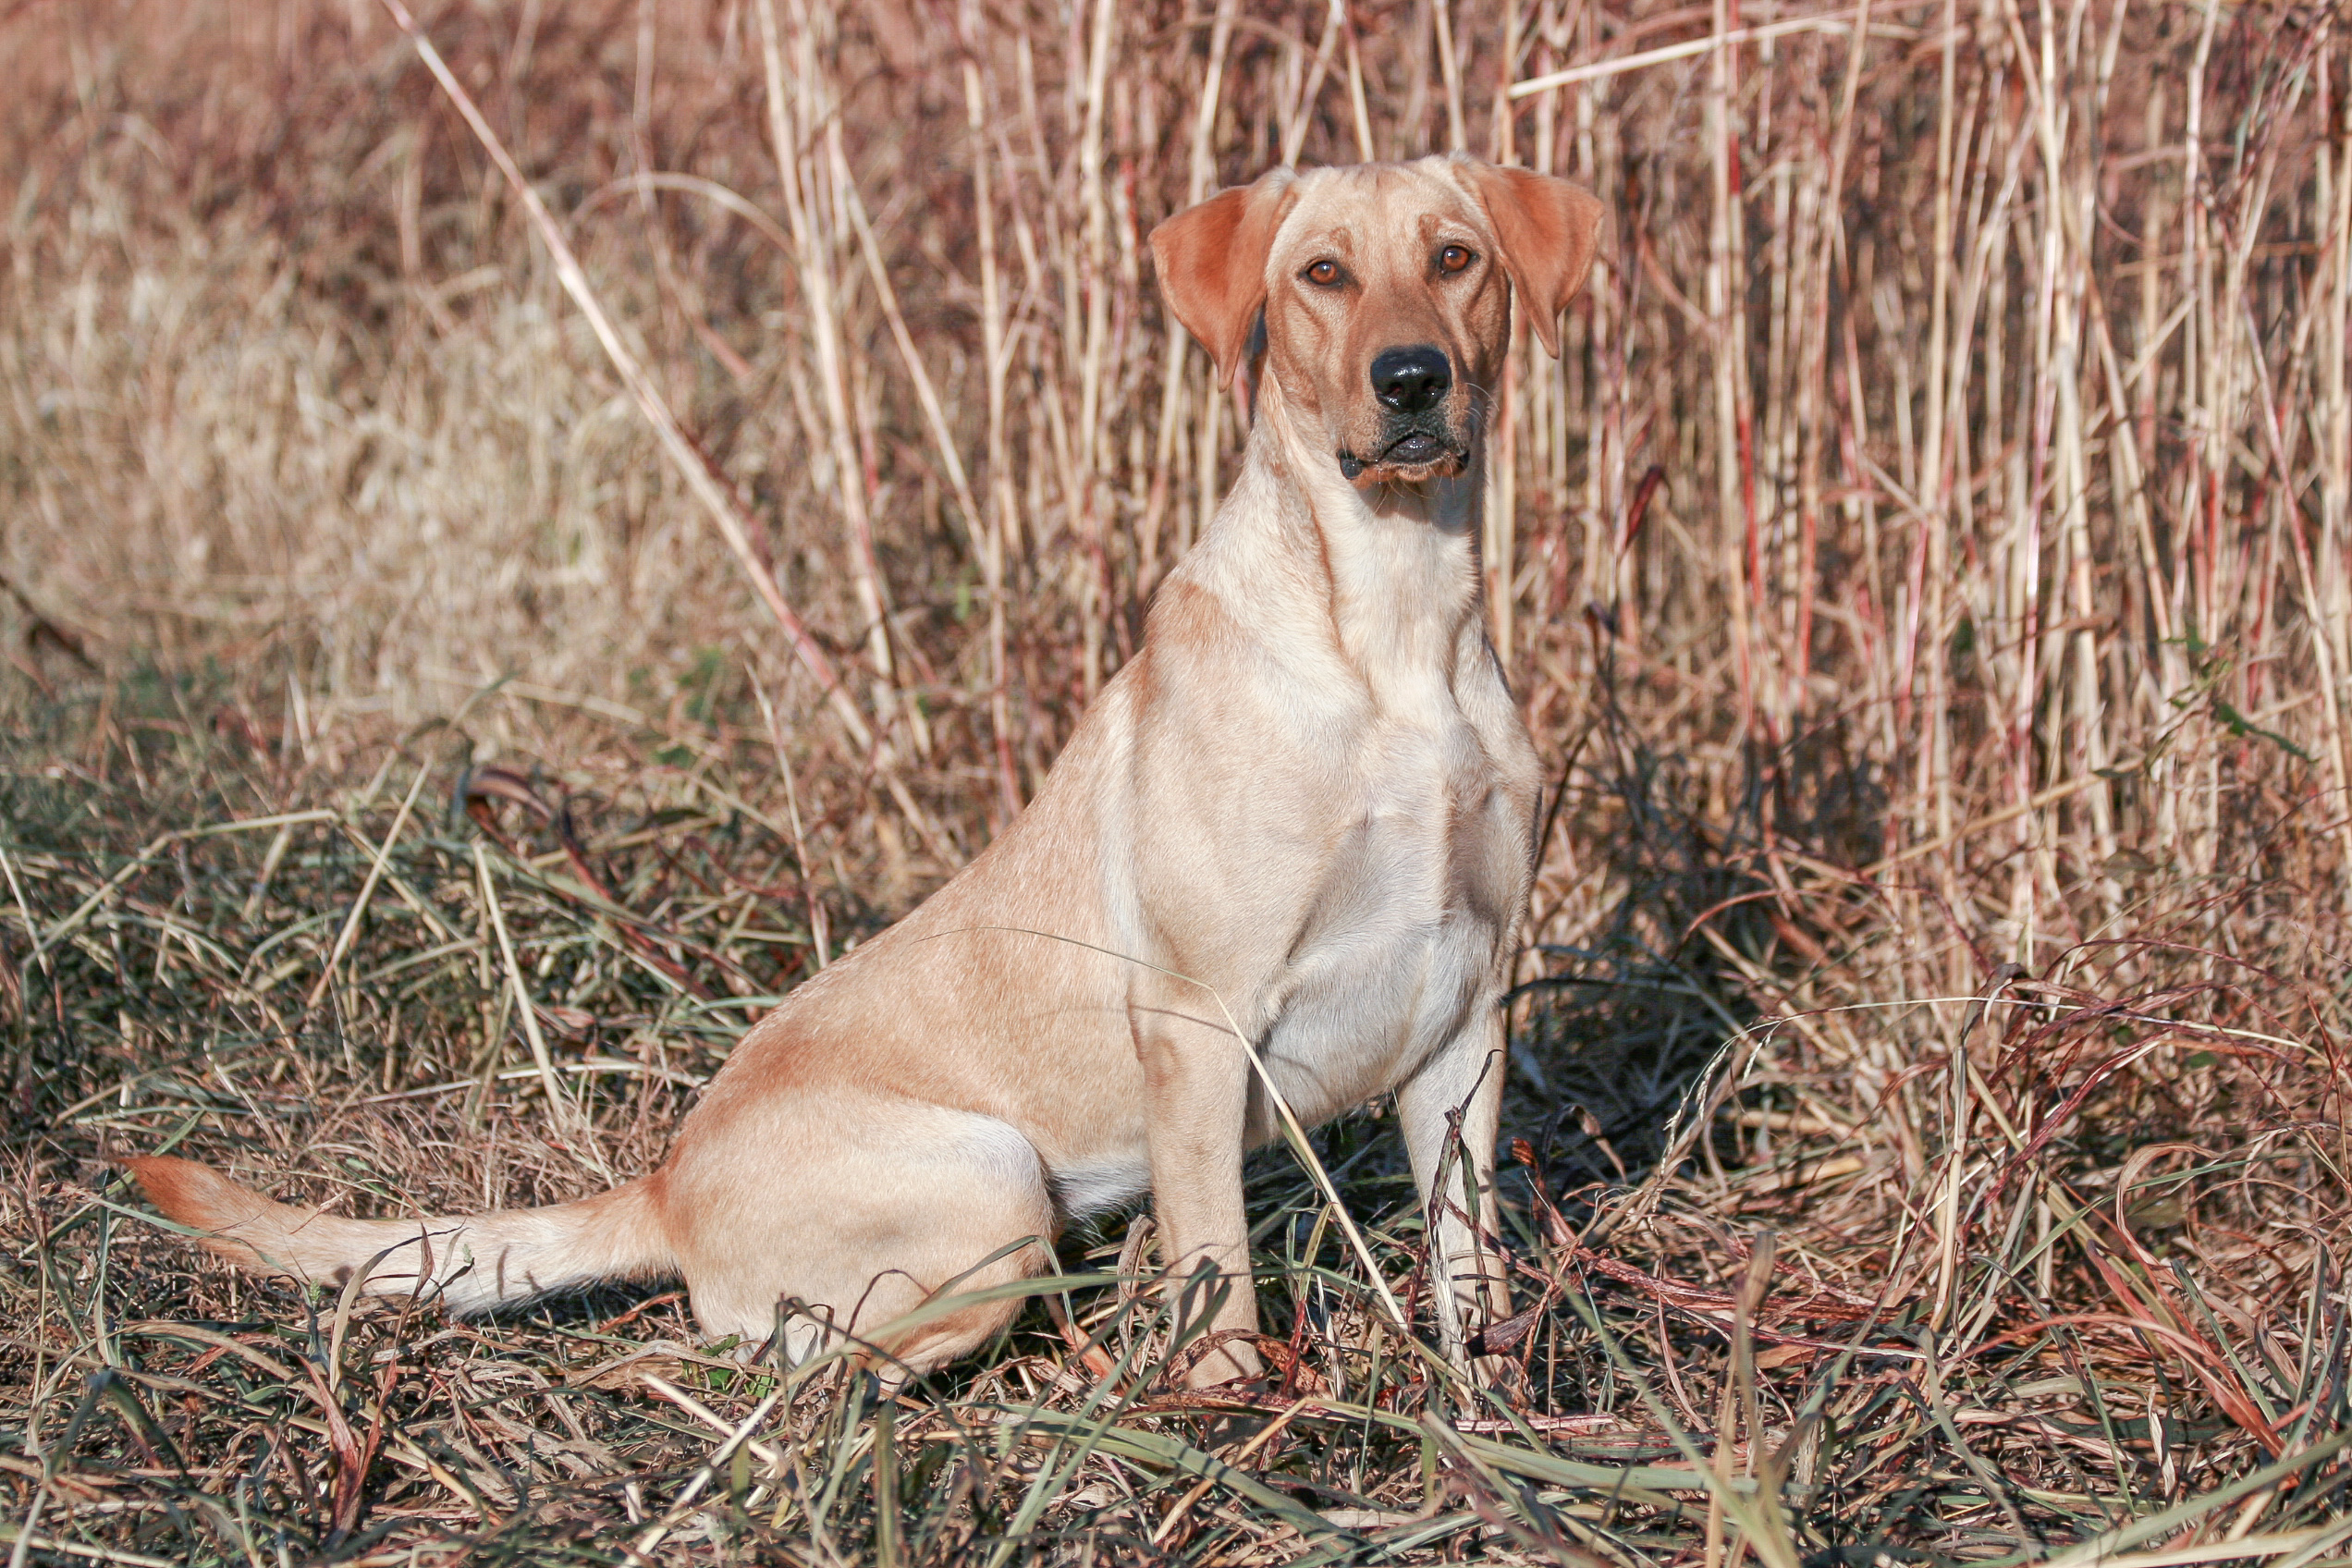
[1402, 936]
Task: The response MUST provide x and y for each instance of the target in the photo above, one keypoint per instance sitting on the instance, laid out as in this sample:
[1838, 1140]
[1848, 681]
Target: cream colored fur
[1310, 792]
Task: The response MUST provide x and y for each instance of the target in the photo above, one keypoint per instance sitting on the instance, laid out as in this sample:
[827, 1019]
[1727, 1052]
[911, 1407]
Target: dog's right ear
[1212, 264]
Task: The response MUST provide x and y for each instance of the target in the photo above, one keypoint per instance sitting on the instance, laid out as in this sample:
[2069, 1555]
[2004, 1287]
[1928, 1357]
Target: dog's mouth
[1412, 453]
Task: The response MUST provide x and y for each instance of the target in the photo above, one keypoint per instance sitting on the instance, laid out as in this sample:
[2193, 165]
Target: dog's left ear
[1212, 264]
[1550, 231]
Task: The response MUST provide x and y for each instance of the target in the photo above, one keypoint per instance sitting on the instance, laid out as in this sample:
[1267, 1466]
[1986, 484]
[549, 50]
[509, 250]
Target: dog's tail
[469, 1264]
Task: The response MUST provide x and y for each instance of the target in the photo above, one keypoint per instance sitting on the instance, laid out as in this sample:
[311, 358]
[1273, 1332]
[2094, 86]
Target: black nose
[1410, 380]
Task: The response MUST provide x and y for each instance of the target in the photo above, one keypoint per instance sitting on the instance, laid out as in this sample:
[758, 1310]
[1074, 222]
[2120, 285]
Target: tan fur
[1309, 795]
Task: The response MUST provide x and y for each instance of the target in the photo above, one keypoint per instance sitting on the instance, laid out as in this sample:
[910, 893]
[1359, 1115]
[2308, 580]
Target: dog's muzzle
[1411, 386]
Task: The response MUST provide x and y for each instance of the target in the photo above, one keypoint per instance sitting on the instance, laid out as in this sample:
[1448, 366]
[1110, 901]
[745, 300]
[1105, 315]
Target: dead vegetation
[1926, 570]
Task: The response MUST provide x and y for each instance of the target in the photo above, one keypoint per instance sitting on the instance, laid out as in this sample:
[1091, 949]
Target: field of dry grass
[437, 718]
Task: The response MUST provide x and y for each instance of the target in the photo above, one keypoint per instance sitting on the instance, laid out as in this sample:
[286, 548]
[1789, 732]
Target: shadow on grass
[1609, 1045]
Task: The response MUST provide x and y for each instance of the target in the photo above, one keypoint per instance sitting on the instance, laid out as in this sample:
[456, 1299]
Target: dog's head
[1386, 293]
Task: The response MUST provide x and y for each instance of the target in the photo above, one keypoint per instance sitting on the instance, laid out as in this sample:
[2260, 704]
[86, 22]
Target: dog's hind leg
[844, 1210]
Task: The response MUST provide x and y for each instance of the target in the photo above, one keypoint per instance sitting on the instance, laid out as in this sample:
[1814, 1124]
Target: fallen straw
[379, 860]
[568, 1114]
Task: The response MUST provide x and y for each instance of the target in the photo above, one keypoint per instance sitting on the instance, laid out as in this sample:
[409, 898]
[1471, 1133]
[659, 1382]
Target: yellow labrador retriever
[1307, 806]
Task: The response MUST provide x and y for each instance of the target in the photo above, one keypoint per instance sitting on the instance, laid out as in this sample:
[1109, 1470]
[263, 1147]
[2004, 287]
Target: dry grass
[1928, 571]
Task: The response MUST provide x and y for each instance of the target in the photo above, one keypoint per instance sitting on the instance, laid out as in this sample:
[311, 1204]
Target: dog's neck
[1396, 566]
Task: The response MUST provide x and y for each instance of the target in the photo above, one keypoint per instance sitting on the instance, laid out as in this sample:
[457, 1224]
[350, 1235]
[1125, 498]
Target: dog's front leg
[1196, 1089]
[1464, 1081]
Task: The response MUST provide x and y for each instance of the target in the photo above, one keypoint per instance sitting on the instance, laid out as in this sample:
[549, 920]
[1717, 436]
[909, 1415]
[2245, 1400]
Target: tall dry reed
[1990, 365]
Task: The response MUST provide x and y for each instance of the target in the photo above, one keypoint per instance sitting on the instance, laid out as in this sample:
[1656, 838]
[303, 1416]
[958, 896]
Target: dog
[1304, 811]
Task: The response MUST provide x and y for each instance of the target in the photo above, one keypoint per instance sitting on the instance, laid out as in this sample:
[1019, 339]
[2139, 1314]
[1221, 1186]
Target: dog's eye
[1324, 273]
[1454, 258]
